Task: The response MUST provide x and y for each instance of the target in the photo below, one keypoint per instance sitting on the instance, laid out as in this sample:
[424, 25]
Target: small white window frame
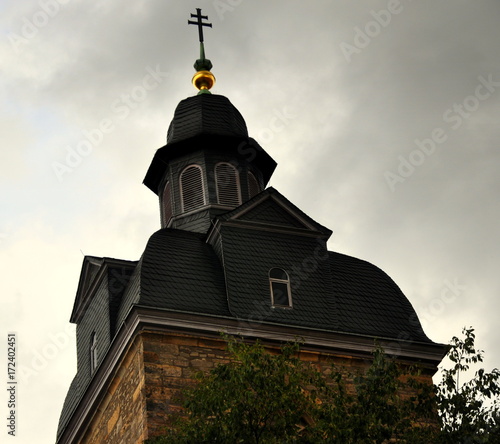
[93, 352]
[280, 281]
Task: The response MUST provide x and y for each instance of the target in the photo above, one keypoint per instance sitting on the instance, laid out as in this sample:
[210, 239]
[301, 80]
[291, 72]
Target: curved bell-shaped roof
[206, 114]
[207, 121]
[180, 271]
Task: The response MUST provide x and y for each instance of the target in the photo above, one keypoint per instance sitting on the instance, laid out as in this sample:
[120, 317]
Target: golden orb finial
[203, 80]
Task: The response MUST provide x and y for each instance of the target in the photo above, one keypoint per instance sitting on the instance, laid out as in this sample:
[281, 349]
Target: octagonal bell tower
[209, 164]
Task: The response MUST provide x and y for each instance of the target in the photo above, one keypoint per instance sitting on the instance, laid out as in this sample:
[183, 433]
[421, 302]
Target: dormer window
[166, 204]
[227, 184]
[279, 282]
[192, 189]
[93, 352]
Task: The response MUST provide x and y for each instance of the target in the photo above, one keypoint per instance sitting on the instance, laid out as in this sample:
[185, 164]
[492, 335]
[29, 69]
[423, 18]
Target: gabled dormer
[270, 210]
[275, 262]
[100, 289]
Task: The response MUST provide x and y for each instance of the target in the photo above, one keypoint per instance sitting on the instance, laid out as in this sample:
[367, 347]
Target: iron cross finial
[199, 22]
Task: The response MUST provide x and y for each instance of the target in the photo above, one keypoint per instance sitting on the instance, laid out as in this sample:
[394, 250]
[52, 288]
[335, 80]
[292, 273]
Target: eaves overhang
[244, 148]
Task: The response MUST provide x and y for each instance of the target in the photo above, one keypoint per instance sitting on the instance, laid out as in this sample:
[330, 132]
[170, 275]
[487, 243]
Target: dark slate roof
[206, 114]
[180, 271]
[70, 403]
[130, 295]
[370, 303]
[207, 121]
[360, 298]
[248, 283]
[260, 208]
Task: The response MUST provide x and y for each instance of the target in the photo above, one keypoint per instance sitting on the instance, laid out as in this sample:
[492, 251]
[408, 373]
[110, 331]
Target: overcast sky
[382, 116]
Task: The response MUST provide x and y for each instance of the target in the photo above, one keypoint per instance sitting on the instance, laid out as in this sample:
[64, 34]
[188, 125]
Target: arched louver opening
[93, 352]
[166, 204]
[279, 282]
[253, 185]
[228, 185]
[192, 190]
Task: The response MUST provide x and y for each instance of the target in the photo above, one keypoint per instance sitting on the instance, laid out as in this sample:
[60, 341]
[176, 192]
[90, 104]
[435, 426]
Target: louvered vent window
[228, 185]
[192, 192]
[279, 281]
[167, 204]
[253, 185]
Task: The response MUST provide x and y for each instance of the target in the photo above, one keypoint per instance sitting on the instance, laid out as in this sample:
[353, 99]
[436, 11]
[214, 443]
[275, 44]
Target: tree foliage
[257, 397]
[261, 397]
[469, 411]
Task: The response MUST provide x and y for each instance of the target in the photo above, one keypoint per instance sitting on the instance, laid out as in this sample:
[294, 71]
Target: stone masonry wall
[120, 418]
[170, 363]
[172, 360]
[148, 385]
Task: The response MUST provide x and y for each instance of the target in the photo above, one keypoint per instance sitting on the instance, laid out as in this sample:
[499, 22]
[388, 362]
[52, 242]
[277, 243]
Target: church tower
[208, 166]
[231, 255]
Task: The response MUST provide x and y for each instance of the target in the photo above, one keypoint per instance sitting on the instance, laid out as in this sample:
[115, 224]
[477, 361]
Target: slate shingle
[369, 302]
[206, 114]
[180, 271]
